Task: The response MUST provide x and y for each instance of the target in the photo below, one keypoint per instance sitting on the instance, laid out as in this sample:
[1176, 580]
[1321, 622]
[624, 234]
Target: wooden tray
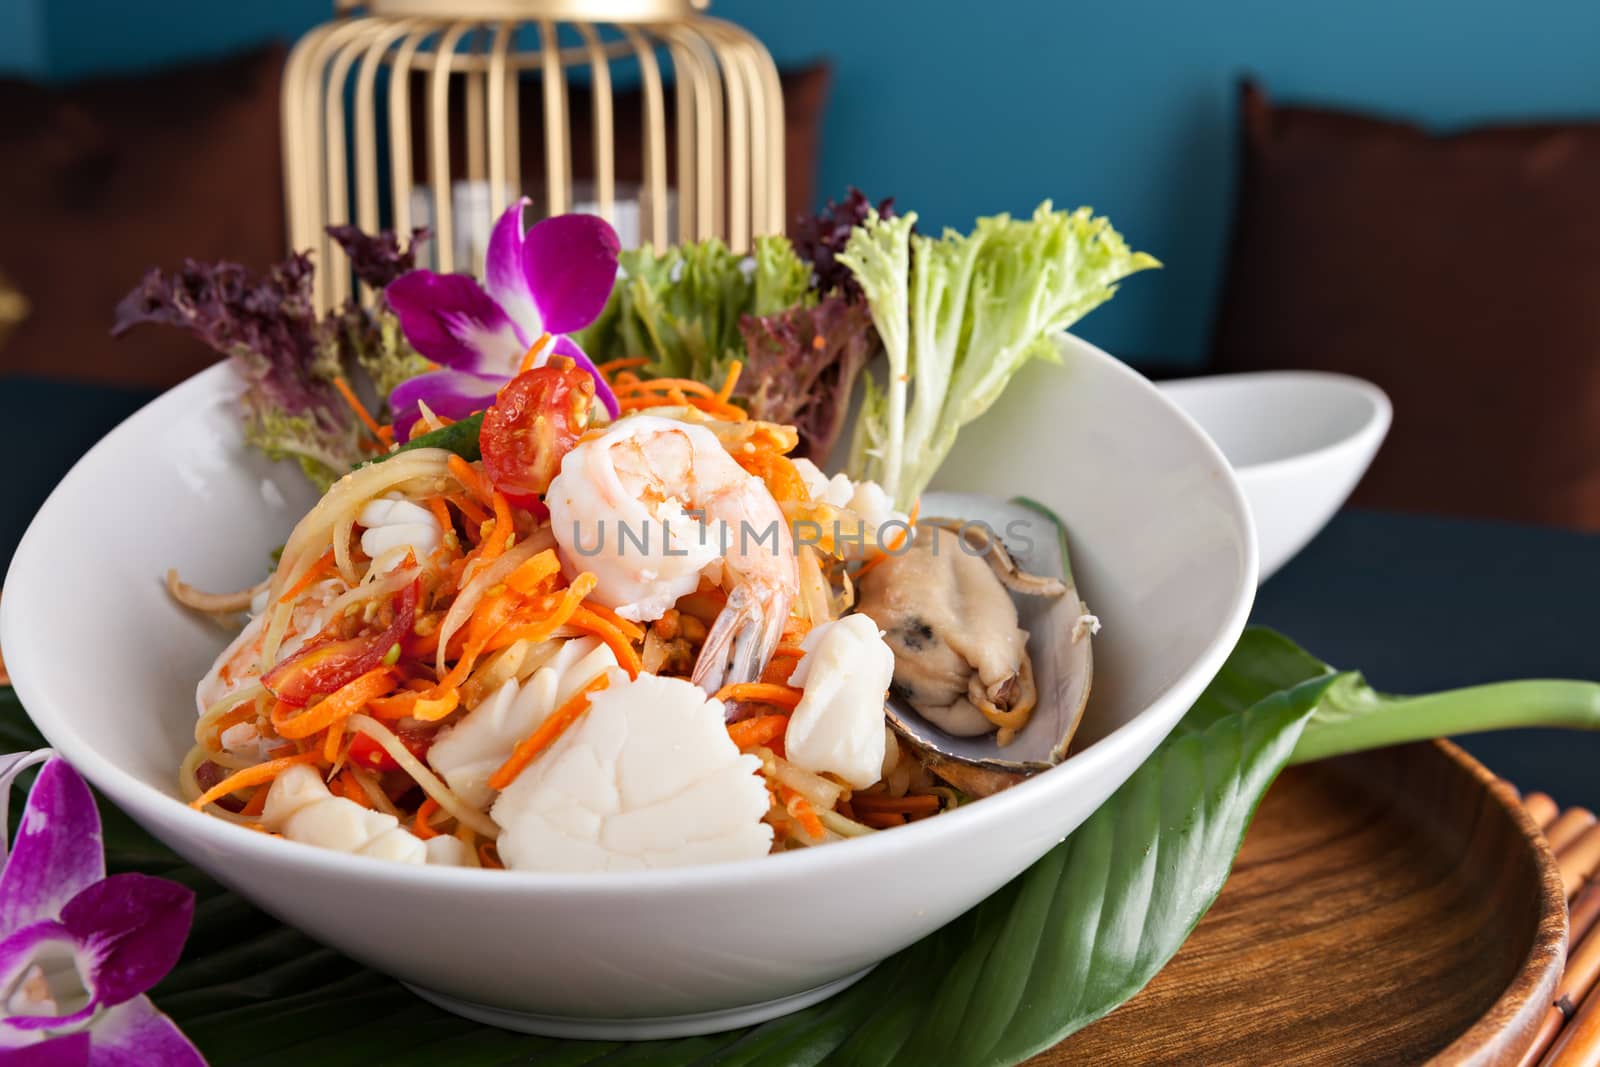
[1386, 908]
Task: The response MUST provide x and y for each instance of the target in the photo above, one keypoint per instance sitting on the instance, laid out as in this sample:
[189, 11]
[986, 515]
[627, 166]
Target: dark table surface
[1418, 603]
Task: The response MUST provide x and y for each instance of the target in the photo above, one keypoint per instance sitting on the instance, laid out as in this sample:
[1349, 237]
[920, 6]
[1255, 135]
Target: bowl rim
[1374, 427]
[136, 795]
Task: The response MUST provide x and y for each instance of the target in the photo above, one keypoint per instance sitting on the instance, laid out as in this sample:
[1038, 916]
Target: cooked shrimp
[650, 506]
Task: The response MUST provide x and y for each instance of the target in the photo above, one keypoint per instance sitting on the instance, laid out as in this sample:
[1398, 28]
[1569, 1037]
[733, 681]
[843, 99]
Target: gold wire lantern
[454, 69]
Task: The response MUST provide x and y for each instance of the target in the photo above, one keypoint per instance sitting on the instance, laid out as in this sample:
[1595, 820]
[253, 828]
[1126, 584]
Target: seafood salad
[572, 615]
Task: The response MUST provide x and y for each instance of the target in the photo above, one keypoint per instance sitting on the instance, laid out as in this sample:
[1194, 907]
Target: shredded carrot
[392, 707]
[918, 804]
[786, 696]
[332, 742]
[721, 409]
[656, 385]
[470, 652]
[425, 812]
[434, 709]
[496, 614]
[795, 626]
[725, 394]
[762, 730]
[542, 738]
[632, 631]
[708, 404]
[345, 785]
[257, 802]
[259, 774]
[335, 707]
[887, 550]
[801, 810]
[504, 528]
[778, 669]
[639, 403]
[488, 857]
[531, 575]
[468, 476]
[611, 366]
[778, 472]
[360, 409]
[324, 565]
[531, 357]
[441, 513]
[782, 664]
[589, 622]
[558, 609]
[470, 509]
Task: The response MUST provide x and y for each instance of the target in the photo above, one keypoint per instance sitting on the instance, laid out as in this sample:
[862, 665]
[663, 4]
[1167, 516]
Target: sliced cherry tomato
[365, 752]
[534, 422]
[325, 665]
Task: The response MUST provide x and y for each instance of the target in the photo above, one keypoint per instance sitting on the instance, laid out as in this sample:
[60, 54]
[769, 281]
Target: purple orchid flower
[78, 949]
[555, 279]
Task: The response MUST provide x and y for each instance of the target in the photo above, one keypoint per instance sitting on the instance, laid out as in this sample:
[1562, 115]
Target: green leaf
[961, 313]
[1087, 927]
[1064, 943]
[460, 437]
[681, 308]
[1355, 717]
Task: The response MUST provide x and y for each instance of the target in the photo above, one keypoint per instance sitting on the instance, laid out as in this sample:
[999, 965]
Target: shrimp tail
[741, 641]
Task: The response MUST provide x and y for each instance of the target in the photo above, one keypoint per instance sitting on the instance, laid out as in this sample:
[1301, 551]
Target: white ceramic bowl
[106, 664]
[1299, 441]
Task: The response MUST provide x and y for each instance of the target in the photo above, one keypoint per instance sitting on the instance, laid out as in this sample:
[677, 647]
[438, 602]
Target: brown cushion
[1460, 272]
[106, 179]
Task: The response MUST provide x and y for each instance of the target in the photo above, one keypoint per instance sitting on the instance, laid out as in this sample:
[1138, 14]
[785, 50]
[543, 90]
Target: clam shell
[1063, 663]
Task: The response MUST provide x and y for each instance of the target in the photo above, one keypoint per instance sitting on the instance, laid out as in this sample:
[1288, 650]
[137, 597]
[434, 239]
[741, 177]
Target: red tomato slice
[325, 665]
[533, 423]
[365, 752]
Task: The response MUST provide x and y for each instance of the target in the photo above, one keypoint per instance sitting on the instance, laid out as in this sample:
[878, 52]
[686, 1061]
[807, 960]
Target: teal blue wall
[960, 108]
[22, 48]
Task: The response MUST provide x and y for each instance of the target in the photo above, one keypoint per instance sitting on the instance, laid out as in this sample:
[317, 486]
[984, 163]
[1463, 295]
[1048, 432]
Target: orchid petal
[66, 1050]
[135, 1034]
[57, 851]
[451, 320]
[571, 265]
[557, 277]
[503, 274]
[566, 346]
[51, 947]
[131, 928]
[452, 394]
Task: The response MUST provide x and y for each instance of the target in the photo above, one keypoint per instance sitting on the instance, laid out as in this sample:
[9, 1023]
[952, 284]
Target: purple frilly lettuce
[555, 279]
[78, 950]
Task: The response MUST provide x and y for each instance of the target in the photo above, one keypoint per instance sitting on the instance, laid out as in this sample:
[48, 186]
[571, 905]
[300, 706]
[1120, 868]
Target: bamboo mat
[1570, 1033]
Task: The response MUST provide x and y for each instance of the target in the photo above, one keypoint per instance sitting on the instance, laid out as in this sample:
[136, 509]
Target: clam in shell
[1025, 550]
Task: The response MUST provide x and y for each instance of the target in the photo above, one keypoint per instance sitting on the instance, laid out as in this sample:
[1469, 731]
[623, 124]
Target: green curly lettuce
[960, 314]
[681, 307]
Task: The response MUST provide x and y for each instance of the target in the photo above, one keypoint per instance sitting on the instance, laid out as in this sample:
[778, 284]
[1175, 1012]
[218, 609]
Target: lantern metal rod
[500, 87]
[557, 142]
[569, 56]
[653, 198]
[727, 178]
[605, 188]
